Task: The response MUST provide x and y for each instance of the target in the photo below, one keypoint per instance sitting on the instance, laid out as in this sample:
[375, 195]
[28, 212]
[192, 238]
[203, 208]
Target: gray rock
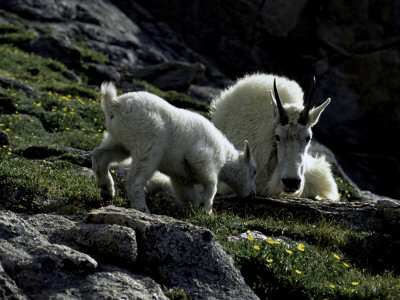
[187, 256]
[391, 213]
[50, 256]
[8, 287]
[4, 138]
[42, 256]
[15, 84]
[58, 47]
[203, 93]
[176, 76]
[100, 73]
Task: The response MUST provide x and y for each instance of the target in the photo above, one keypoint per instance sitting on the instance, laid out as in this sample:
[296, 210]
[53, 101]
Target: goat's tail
[109, 101]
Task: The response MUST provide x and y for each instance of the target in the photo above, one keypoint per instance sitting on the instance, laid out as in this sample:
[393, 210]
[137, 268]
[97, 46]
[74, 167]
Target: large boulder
[117, 253]
[187, 257]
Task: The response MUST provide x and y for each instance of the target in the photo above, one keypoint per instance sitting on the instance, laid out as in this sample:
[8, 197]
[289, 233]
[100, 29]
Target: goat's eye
[308, 138]
[277, 138]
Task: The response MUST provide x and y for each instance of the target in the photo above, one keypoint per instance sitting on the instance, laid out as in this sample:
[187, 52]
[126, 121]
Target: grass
[323, 260]
[334, 263]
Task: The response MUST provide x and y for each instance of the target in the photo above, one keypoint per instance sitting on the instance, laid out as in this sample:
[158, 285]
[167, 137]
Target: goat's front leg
[101, 158]
[210, 189]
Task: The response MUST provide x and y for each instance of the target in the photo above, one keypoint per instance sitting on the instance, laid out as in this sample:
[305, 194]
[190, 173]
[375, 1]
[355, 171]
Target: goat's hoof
[105, 194]
[209, 211]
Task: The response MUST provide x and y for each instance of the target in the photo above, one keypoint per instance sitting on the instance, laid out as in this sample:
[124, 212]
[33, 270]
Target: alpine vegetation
[279, 128]
[179, 143]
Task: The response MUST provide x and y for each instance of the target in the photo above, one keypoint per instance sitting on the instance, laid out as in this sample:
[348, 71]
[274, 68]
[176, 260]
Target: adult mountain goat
[278, 127]
[179, 143]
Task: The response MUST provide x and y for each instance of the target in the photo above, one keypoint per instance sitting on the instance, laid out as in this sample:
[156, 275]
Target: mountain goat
[179, 143]
[278, 127]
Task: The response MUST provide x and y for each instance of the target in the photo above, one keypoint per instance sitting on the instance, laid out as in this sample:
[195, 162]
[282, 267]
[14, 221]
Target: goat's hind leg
[143, 166]
[102, 156]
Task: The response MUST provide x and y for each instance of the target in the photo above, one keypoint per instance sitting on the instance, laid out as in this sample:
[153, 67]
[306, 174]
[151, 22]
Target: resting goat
[278, 127]
[179, 143]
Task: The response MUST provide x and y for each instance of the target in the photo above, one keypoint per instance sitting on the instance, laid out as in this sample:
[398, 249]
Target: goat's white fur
[248, 110]
[179, 143]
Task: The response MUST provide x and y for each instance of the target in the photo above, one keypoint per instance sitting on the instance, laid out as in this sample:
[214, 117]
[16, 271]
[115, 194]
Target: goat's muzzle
[291, 184]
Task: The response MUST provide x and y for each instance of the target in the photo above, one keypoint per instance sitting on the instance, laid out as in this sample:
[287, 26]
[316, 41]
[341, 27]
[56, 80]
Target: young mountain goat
[179, 143]
[278, 127]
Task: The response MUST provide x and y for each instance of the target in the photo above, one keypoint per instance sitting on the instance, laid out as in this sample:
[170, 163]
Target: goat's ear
[316, 112]
[247, 152]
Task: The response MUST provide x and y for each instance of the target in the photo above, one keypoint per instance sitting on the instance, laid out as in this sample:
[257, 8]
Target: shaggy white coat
[247, 110]
[179, 143]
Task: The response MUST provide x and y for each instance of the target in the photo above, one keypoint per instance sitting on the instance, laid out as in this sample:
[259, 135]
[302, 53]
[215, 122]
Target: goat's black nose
[292, 184]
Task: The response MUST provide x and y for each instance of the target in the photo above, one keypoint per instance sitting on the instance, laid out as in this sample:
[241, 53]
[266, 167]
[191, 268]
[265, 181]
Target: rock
[361, 215]
[109, 255]
[58, 47]
[4, 139]
[101, 73]
[40, 152]
[176, 76]
[188, 257]
[203, 93]
[37, 261]
[391, 214]
[71, 76]
[15, 84]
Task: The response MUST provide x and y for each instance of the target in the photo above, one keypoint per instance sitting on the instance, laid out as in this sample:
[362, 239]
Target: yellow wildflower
[336, 256]
[248, 231]
[288, 251]
[270, 260]
[250, 238]
[332, 286]
[355, 283]
[298, 272]
[300, 247]
[346, 265]
[256, 247]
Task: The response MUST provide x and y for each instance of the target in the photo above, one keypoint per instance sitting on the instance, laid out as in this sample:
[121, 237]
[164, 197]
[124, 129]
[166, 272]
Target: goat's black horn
[282, 113]
[307, 105]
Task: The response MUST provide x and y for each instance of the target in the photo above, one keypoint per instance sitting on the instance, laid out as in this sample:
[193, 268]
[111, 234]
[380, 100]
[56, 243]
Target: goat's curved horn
[307, 105]
[282, 113]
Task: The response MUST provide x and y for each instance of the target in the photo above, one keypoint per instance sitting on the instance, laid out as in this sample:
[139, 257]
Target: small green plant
[347, 192]
[176, 294]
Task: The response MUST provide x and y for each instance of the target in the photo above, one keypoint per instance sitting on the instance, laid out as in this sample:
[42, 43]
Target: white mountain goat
[278, 127]
[179, 143]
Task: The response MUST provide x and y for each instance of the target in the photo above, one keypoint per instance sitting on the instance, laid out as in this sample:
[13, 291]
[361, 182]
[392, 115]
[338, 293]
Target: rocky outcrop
[379, 214]
[115, 253]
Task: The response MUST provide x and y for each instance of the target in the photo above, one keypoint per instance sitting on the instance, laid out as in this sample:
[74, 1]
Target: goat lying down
[179, 143]
[278, 126]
